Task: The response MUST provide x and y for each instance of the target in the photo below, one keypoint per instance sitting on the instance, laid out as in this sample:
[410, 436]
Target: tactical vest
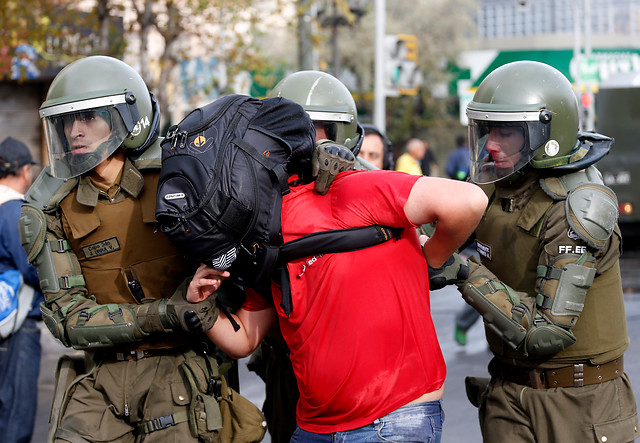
[116, 244]
[509, 246]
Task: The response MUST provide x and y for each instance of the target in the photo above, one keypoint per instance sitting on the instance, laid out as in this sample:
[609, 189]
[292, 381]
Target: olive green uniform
[108, 258]
[523, 231]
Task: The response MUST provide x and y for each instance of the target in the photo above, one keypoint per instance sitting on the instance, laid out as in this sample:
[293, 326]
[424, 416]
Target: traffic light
[401, 65]
[587, 117]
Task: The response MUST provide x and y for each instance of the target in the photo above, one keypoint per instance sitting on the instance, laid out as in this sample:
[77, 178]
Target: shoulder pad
[47, 191]
[592, 212]
[32, 227]
[559, 187]
[150, 158]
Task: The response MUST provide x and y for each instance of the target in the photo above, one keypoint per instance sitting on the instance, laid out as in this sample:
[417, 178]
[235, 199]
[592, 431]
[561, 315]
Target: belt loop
[538, 379]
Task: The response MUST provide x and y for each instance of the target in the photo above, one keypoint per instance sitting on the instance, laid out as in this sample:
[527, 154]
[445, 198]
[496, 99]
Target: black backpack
[225, 168]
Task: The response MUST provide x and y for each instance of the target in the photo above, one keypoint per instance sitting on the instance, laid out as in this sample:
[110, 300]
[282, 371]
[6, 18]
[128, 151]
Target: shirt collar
[131, 181]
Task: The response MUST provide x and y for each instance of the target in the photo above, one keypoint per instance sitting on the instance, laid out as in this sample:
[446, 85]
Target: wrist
[166, 314]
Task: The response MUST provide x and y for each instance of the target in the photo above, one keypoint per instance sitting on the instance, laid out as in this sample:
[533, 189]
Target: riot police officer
[107, 276]
[548, 279]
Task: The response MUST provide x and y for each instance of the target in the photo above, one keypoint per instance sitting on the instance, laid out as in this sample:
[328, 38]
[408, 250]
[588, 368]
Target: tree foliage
[259, 36]
[444, 29]
[56, 32]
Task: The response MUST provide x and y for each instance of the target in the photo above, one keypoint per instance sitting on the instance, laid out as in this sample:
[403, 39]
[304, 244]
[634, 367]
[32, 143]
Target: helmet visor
[499, 148]
[79, 140]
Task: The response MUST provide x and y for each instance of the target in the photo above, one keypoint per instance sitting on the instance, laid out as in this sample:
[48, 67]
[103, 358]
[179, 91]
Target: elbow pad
[563, 286]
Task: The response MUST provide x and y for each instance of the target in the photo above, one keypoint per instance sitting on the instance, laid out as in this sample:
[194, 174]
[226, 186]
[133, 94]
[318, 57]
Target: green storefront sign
[601, 64]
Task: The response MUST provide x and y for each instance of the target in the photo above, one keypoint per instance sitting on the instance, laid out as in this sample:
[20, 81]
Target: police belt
[575, 376]
[135, 355]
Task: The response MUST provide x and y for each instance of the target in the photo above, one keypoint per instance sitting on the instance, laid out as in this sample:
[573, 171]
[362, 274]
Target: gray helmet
[94, 106]
[528, 112]
[326, 99]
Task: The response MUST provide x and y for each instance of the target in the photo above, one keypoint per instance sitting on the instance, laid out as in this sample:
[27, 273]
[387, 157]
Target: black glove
[190, 317]
[454, 270]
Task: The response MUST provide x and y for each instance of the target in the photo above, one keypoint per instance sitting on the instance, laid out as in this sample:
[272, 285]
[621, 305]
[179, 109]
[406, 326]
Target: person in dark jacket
[20, 332]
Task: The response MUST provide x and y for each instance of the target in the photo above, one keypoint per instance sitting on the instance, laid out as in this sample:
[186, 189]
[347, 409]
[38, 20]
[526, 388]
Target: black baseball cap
[13, 155]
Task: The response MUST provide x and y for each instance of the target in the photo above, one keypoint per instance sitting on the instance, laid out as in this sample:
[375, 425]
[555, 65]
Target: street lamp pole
[305, 48]
[379, 98]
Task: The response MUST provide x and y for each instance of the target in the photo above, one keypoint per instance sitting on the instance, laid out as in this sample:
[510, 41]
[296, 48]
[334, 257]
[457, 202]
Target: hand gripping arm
[75, 318]
[455, 270]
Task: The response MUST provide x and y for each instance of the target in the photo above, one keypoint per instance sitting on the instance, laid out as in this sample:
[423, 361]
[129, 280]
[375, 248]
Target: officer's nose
[77, 128]
[492, 147]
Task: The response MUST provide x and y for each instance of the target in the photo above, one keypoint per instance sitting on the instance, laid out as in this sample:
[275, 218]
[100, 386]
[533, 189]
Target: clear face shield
[501, 144]
[331, 125]
[81, 135]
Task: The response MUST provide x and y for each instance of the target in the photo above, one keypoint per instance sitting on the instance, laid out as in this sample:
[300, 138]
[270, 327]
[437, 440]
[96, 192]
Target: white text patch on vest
[101, 248]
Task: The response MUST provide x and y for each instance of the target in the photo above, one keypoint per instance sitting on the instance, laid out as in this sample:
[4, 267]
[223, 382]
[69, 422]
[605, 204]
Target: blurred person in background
[20, 349]
[457, 167]
[376, 148]
[429, 163]
[410, 160]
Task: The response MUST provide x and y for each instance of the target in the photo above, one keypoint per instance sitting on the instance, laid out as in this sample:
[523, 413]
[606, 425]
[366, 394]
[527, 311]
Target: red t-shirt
[361, 336]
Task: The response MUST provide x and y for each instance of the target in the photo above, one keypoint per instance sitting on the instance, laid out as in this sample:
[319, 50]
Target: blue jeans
[419, 423]
[19, 370]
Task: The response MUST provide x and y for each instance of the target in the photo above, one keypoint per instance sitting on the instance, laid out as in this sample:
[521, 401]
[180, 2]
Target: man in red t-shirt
[363, 344]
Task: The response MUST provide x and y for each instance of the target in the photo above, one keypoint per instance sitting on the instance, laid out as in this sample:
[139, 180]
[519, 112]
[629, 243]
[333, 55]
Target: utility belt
[137, 355]
[573, 376]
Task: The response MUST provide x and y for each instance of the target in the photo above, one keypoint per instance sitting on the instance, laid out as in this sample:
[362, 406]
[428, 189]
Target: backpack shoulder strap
[277, 169]
[325, 242]
[337, 240]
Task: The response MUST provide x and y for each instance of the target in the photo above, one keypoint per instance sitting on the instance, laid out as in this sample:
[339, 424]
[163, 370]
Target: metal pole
[335, 65]
[379, 100]
[587, 28]
[305, 48]
[576, 35]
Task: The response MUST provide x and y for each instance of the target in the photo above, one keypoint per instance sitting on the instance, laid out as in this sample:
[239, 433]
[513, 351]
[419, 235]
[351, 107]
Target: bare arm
[253, 324]
[456, 206]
